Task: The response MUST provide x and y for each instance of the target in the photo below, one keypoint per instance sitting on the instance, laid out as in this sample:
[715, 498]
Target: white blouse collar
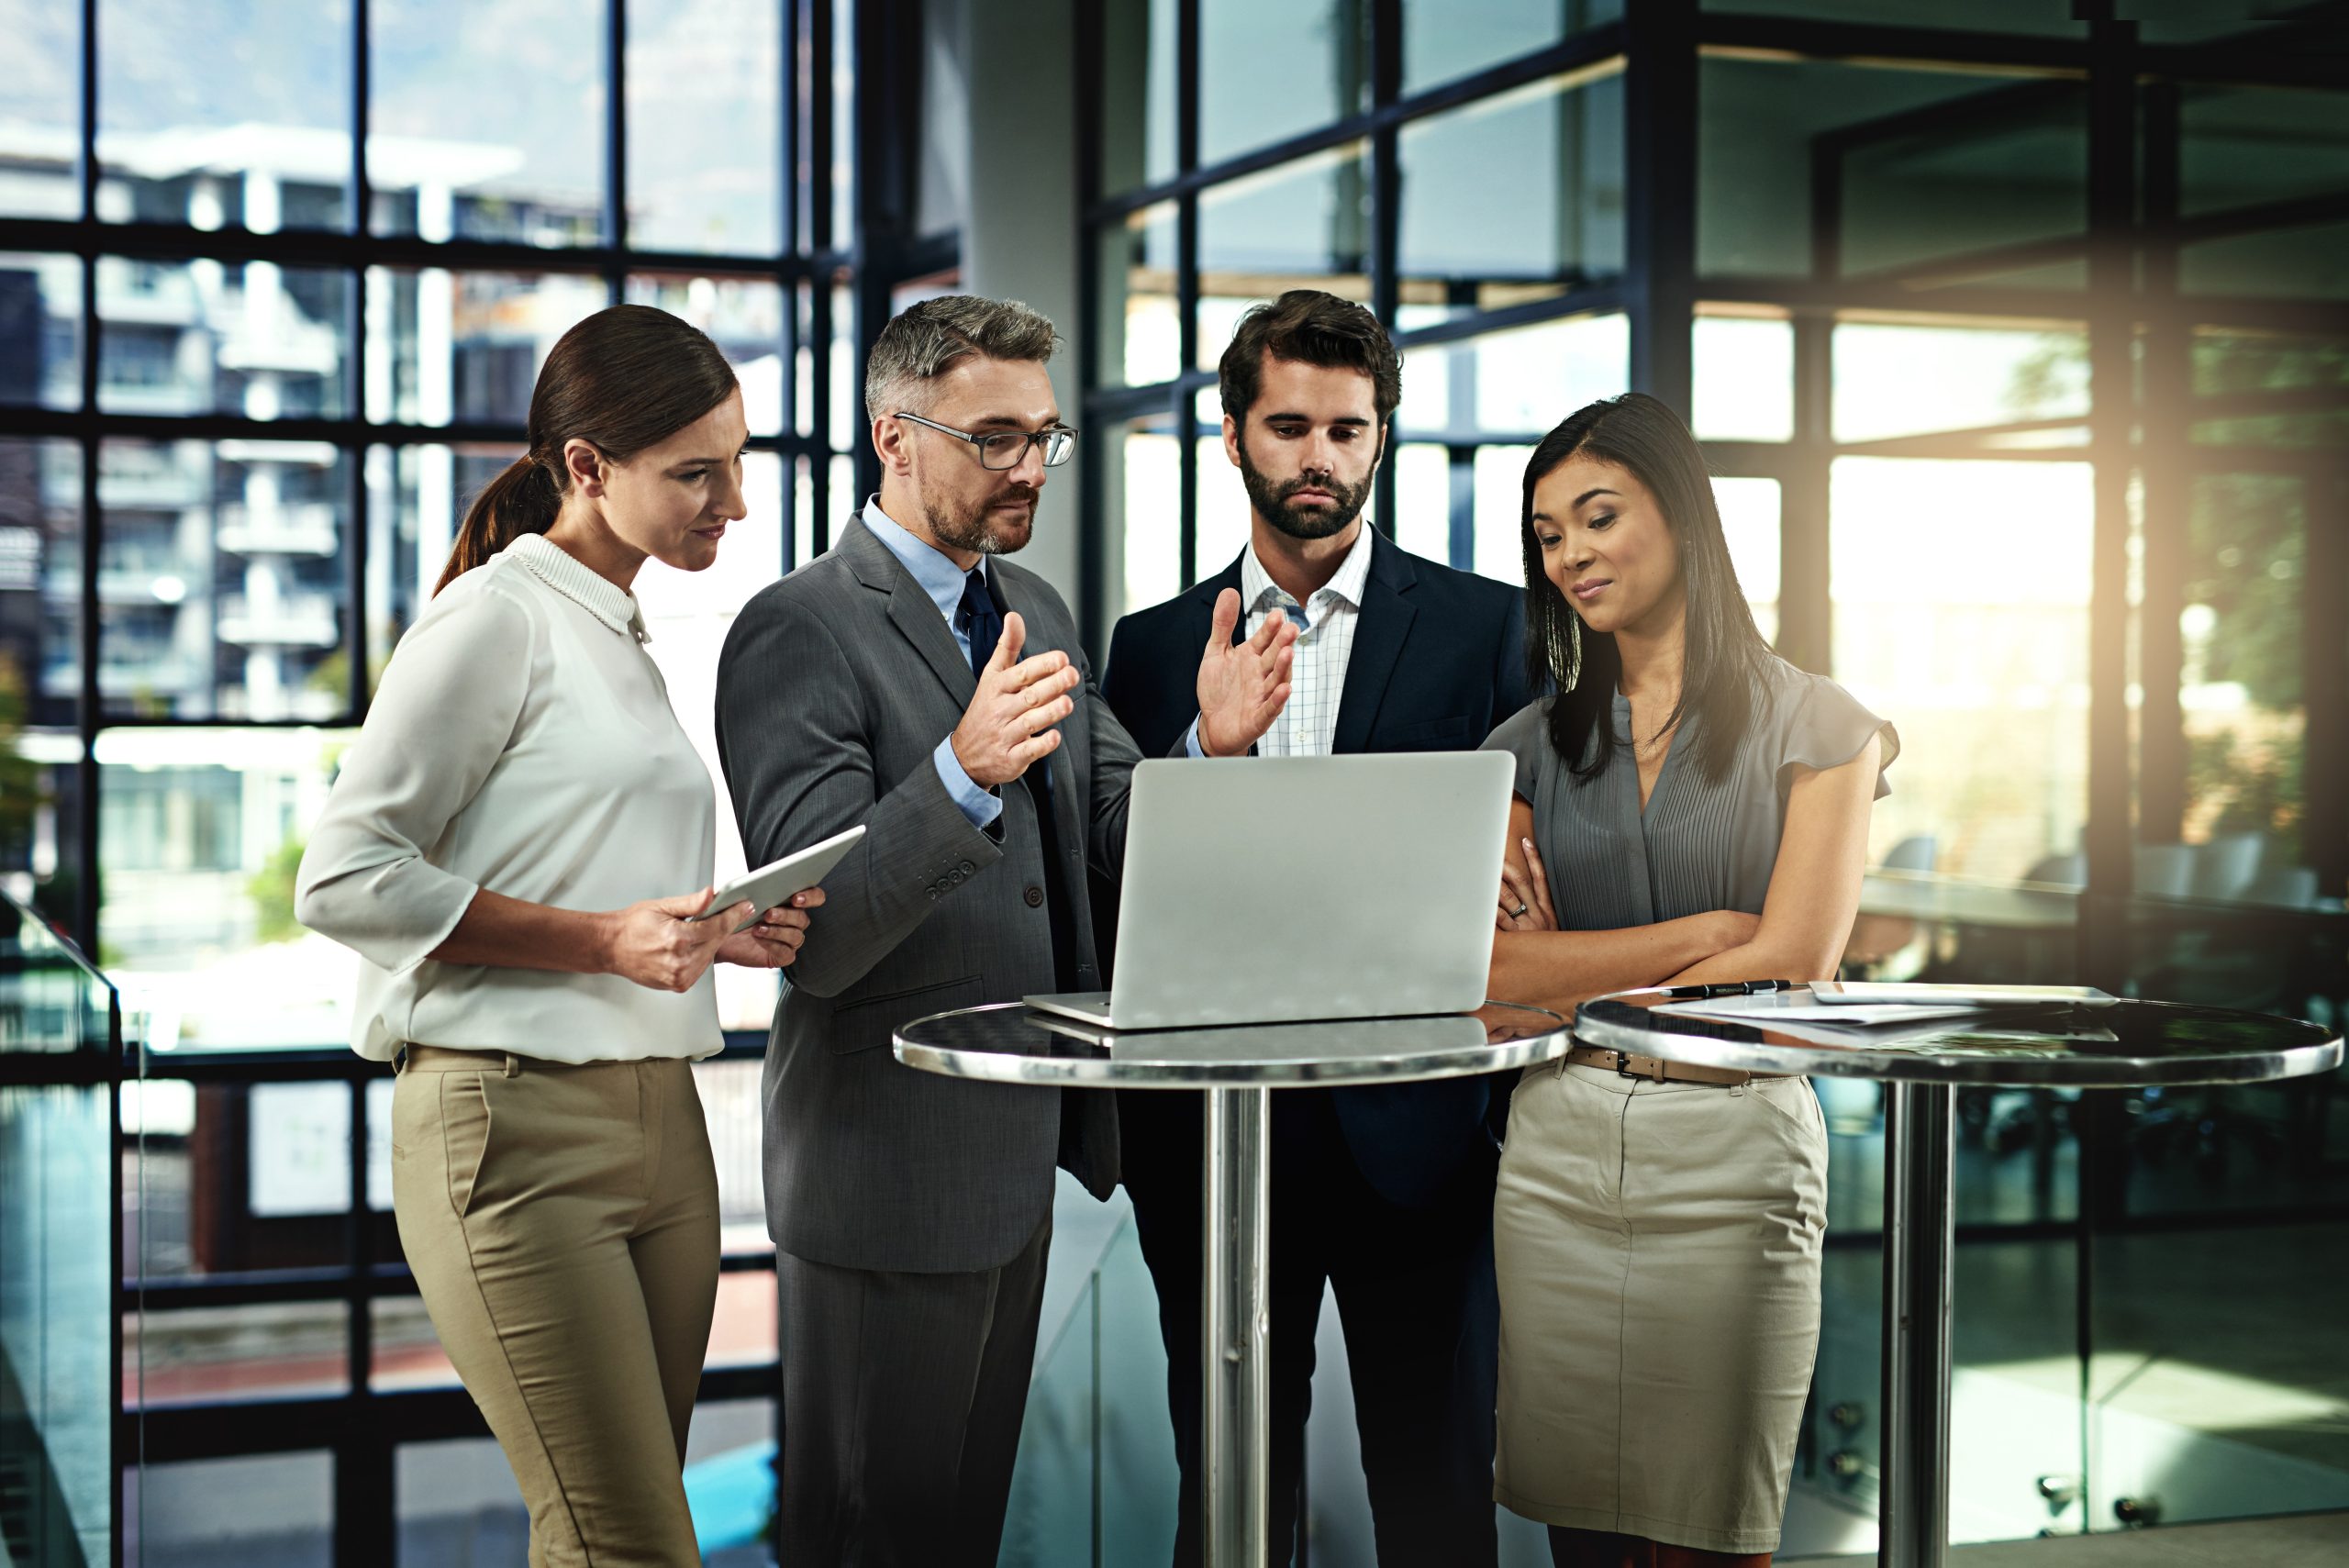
[599, 596]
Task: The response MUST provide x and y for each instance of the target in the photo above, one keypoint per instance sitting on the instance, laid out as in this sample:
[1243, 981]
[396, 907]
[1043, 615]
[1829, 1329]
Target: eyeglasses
[1008, 449]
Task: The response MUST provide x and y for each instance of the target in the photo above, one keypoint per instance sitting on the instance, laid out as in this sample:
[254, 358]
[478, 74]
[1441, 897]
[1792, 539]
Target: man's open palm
[1243, 687]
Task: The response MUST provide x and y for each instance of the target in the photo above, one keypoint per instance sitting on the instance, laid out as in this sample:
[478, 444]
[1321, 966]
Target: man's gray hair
[925, 341]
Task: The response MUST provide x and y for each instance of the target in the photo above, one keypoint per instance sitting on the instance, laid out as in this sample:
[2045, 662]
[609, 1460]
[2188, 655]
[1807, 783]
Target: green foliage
[20, 782]
[271, 891]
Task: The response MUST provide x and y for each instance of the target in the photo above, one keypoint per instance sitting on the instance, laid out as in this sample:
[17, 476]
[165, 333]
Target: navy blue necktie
[982, 622]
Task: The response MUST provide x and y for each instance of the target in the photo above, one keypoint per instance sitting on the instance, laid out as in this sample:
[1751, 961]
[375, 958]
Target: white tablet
[770, 887]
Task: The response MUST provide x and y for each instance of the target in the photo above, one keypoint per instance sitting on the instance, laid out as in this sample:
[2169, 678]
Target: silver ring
[1519, 913]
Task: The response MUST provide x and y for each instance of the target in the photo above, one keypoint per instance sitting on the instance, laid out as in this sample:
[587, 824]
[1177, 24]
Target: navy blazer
[1438, 661]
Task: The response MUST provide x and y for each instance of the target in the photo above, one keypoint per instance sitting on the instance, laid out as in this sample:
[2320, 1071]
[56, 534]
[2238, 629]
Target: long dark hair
[623, 380]
[1725, 650]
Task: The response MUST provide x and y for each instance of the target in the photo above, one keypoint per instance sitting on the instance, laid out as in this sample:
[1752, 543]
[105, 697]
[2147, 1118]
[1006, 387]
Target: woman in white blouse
[496, 849]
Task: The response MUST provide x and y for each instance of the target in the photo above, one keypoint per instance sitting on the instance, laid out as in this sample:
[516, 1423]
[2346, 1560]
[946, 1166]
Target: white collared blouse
[521, 741]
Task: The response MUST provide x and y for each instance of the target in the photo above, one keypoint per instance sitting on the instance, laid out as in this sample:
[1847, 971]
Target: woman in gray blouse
[1691, 807]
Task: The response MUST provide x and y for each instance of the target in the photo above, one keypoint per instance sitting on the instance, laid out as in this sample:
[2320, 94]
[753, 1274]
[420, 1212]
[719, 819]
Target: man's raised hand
[1243, 687]
[1010, 724]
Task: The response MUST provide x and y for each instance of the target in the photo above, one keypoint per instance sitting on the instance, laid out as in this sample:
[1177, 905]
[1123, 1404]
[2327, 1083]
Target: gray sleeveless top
[1699, 845]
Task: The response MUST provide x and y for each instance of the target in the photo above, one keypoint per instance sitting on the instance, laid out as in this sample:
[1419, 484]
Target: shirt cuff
[979, 805]
[1191, 740]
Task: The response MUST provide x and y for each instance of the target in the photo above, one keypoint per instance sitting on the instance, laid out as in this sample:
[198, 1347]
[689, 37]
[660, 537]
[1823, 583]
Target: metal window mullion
[1181, 400]
[2104, 945]
[616, 147]
[1385, 212]
[361, 198]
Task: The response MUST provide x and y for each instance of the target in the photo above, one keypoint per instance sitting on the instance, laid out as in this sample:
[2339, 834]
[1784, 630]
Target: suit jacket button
[968, 868]
[1035, 896]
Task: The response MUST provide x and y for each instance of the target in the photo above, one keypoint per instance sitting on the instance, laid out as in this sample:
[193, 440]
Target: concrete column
[1020, 234]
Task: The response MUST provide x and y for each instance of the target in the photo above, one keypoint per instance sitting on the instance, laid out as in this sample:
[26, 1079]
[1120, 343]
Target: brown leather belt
[1657, 1068]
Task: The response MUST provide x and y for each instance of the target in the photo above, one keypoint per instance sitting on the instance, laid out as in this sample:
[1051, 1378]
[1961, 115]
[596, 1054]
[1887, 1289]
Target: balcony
[293, 528]
[289, 621]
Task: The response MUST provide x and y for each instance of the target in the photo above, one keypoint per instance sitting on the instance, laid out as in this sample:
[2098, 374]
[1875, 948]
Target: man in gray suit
[911, 679]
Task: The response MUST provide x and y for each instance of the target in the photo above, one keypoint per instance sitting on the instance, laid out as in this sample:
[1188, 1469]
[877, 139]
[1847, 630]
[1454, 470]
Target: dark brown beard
[1272, 502]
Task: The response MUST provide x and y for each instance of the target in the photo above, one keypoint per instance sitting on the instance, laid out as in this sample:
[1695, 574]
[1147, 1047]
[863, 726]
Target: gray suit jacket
[835, 687]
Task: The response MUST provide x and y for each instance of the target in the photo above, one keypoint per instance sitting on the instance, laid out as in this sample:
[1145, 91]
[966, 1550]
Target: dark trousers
[902, 1396]
[1416, 1298]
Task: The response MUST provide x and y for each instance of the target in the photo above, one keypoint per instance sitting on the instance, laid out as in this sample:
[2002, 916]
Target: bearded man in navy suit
[1383, 1194]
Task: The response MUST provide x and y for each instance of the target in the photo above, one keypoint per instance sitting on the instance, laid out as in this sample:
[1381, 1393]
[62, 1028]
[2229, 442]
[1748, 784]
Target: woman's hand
[774, 941]
[1524, 903]
[659, 944]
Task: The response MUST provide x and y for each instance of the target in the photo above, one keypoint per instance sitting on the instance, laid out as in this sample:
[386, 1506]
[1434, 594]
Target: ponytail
[622, 380]
[522, 500]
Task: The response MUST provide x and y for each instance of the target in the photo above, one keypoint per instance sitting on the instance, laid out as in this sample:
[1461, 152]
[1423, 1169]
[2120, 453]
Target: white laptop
[1279, 889]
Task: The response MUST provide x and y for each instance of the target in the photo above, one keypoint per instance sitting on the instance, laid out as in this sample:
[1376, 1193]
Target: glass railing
[60, 1051]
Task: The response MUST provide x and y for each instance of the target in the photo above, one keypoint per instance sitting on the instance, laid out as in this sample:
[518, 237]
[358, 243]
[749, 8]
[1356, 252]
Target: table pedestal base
[1237, 1421]
[1920, 1214]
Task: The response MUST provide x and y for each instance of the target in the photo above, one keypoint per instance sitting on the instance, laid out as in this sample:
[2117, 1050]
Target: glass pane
[842, 192]
[466, 347]
[1750, 517]
[1152, 493]
[40, 331]
[850, 429]
[40, 107]
[742, 1333]
[201, 831]
[407, 1350]
[1516, 383]
[1443, 42]
[730, 1480]
[1929, 165]
[1223, 520]
[2291, 264]
[501, 139]
[1303, 224]
[254, 339]
[2242, 146]
[2270, 389]
[205, 1511]
[1270, 72]
[206, 1355]
[58, 1442]
[744, 318]
[1560, 223]
[1500, 513]
[705, 126]
[1984, 673]
[1744, 385]
[2243, 629]
[40, 578]
[1978, 377]
[234, 118]
[458, 1505]
[220, 581]
[416, 497]
[1424, 491]
[1136, 93]
[1140, 336]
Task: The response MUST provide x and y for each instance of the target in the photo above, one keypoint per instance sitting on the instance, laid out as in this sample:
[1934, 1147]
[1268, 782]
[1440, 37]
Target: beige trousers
[1658, 1253]
[562, 1223]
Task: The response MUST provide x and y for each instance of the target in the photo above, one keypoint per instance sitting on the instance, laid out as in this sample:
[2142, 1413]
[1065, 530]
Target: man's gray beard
[973, 533]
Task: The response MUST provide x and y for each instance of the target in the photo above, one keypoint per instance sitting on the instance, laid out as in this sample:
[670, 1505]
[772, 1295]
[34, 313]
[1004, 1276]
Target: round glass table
[1237, 1069]
[1920, 1053]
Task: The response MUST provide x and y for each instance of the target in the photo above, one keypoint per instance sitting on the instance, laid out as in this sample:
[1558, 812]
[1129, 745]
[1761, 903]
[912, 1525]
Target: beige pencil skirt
[1658, 1250]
